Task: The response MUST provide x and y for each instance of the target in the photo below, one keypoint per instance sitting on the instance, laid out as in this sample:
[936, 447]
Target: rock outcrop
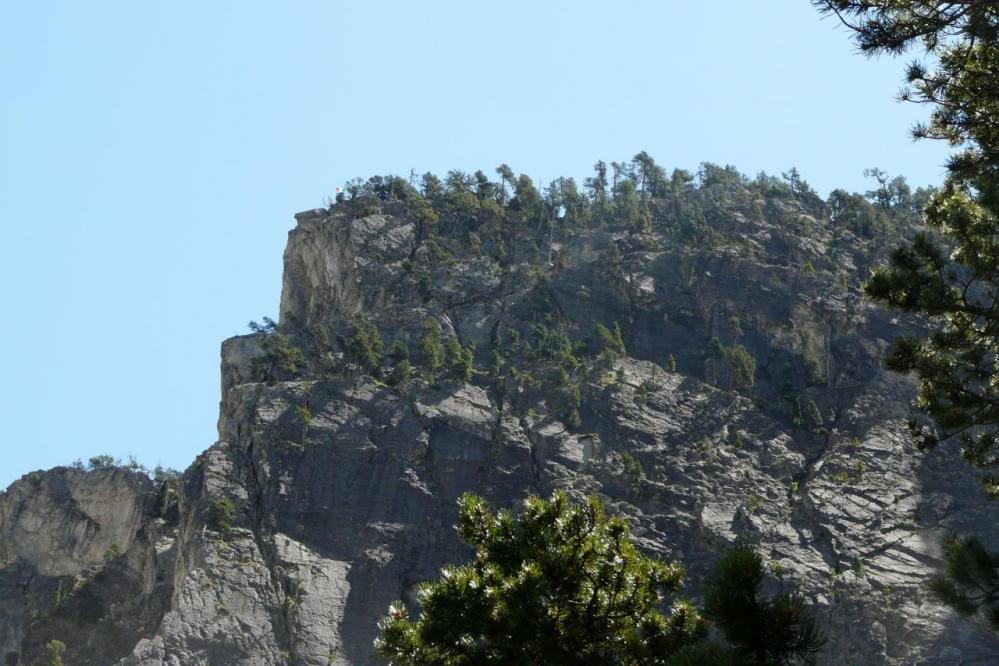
[343, 482]
[86, 558]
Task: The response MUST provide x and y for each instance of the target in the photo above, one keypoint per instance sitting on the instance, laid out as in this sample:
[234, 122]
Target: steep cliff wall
[343, 484]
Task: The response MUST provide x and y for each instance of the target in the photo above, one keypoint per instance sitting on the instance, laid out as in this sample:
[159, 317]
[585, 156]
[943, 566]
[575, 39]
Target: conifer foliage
[562, 583]
[970, 584]
[763, 631]
[950, 272]
[558, 584]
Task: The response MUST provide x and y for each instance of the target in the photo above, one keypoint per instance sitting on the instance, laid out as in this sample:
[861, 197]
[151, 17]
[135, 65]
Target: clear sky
[152, 156]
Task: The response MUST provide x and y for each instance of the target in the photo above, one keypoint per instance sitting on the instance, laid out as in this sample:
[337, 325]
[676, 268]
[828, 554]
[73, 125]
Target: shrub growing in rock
[459, 360]
[364, 347]
[610, 344]
[52, 653]
[431, 344]
[279, 355]
[402, 372]
[221, 514]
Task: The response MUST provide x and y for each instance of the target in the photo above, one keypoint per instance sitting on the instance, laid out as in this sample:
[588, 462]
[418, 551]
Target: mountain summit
[693, 349]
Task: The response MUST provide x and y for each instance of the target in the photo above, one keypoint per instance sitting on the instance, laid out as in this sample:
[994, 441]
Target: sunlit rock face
[342, 485]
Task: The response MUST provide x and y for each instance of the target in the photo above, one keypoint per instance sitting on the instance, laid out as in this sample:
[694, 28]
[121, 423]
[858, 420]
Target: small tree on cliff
[364, 348]
[558, 584]
[278, 356]
[52, 653]
[431, 344]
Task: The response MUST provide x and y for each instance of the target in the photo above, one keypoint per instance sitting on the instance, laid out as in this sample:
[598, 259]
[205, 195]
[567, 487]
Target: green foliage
[303, 414]
[438, 255]
[738, 364]
[857, 566]
[558, 584]
[629, 210]
[970, 582]
[365, 347]
[553, 345]
[503, 219]
[641, 395]
[268, 327]
[855, 212]
[762, 631]
[221, 514]
[525, 379]
[102, 461]
[113, 552]
[424, 216]
[816, 424]
[398, 351]
[402, 372]
[165, 475]
[278, 356]
[633, 470]
[425, 286]
[949, 271]
[651, 177]
[495, 367]
[670, 363]
[610, 344]
[513, 337]
[460, 359]
[743, 366]
[132, 464]
[52, 653]
[431, 344]
[735, 326]
[526, 207]
[567, 398]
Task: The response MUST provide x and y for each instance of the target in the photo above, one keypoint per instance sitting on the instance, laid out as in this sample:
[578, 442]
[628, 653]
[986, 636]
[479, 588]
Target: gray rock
[340, 514]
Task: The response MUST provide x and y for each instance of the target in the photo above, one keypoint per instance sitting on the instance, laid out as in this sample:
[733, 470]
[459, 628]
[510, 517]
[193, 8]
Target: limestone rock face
[343, 486]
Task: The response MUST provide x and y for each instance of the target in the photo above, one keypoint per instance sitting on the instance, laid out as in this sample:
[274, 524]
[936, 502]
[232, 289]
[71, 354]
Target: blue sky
[152, 156]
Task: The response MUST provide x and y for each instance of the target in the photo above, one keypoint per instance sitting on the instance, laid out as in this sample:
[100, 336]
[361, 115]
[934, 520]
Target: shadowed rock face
[344, 510]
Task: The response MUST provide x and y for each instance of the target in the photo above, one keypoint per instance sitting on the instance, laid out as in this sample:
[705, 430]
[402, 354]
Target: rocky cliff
[750, 405]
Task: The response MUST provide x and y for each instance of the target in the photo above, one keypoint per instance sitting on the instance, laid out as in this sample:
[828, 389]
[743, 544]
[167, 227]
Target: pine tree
[557, 584]
[951, 271]
[52, 653]
[970, 582]
[278, 356]
[762, 631]
[401, 372]
[611, 343]
[365, 347]
[431, 344]
[460, 360]
[816, 424]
